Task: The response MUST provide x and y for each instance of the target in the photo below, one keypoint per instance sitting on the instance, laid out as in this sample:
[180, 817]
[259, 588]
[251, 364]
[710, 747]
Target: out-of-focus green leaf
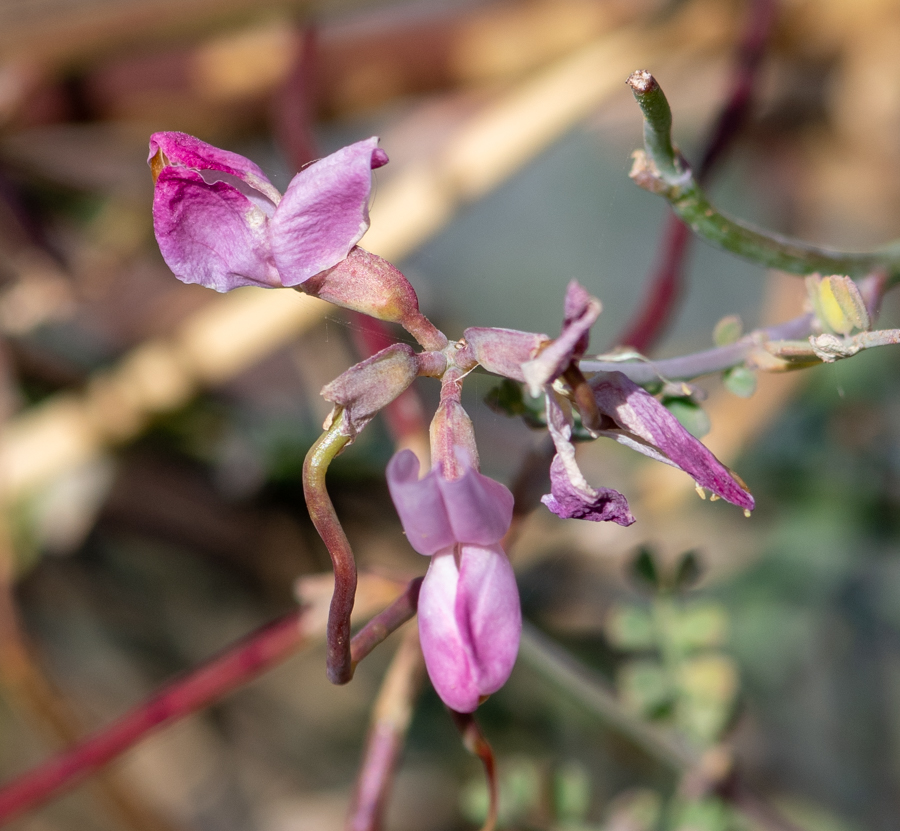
[687, 572]
[728, 330]
[740, 381]
[571, 792]
[629, 627]
[698, 626]
[644, 570]
[637, 810]
[701, 815]
[644, 687]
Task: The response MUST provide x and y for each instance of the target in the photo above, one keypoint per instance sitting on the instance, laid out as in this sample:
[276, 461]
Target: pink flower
[221, 223]
[611, 405]
[469, 614]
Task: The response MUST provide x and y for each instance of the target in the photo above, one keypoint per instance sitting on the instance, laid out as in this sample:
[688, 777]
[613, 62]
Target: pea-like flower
[221, 223]
[469, 614]
[612, 405]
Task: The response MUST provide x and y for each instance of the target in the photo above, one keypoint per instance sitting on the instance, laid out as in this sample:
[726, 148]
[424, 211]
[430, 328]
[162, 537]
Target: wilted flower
[221, 223]
[611, 405]
[469, 614]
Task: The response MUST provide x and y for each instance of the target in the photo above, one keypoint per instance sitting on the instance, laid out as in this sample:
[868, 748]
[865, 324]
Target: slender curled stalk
[661, 169]
[339, 665]
[476, 743]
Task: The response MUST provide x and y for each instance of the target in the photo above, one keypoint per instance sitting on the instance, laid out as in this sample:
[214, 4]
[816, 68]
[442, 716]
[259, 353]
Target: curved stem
[389, 620]
[338, 661]
[476, 743]
[660, 169]
[666, 285]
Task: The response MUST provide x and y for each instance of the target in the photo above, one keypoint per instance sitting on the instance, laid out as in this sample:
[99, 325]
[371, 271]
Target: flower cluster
[221, 223]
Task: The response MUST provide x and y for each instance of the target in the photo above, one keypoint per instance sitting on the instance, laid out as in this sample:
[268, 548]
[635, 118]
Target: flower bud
[372, 384]
[503, 351]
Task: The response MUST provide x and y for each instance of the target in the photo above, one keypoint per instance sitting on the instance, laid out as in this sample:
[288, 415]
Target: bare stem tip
[641, 81]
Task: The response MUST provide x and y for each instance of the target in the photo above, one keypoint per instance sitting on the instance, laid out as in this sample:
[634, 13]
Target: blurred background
[153, 433]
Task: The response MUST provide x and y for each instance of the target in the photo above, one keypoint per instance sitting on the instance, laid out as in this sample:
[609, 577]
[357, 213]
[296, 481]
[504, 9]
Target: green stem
[583, 684]
[657, 124]
[339, 664]
[661, 169]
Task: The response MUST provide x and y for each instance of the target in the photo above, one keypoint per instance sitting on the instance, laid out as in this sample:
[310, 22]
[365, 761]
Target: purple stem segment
[390, 721]
[391, 619]
[338, 660]
[226, 672]
[231, 669]
[478, 745]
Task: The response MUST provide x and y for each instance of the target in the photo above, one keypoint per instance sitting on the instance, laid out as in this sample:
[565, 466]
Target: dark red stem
[233, 668]
[478, 745]
[391, 619]
[321, 511]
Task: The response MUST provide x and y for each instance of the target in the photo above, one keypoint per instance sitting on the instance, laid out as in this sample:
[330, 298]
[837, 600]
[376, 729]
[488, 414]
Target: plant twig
[478, 745]
[666, 285]
[661, 169]
[321, 511]
[687, 367]
[571, 677]
[390, 721]
[228, 671]
[391, 619]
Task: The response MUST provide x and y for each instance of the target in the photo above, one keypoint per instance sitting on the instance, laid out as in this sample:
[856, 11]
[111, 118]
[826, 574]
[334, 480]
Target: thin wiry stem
[391, 619]
[321, 511]
[709, 361]
[390, 721]
[228, 671]
[476, 743]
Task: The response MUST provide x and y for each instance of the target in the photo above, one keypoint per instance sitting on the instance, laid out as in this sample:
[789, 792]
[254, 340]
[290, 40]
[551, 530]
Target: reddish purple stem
[391, 619]
[232, 668]
[476, 743]
[321, 511]
[228, 671]
[390, 721]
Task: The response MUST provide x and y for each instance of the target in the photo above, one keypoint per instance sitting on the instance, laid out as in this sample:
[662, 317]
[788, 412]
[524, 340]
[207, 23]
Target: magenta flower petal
[569, 501]
[324, 212]
[420, 504]
[210, 234]
[571, 497]
[479, 508]
[221, 223]
[470, 623]
[182, 150]
[581, 312]
[436, 513]
[639, 413]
